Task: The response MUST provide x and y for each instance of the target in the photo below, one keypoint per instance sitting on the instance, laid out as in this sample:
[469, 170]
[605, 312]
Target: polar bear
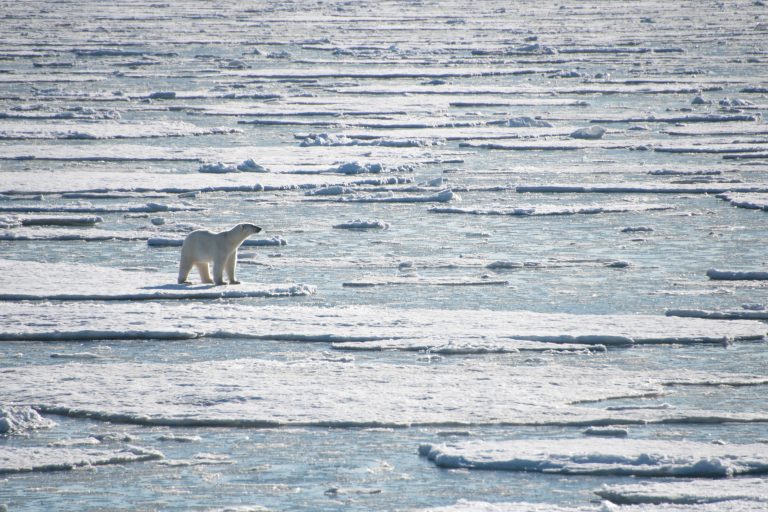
[202, 247]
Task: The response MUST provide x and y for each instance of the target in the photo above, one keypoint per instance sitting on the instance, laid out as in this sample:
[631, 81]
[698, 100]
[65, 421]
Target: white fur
[202, 247]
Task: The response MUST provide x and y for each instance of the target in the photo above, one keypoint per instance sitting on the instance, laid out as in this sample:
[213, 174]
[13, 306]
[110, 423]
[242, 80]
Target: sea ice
[689, 492]
[21, 419]
[735, 275]
[363, 224]
[620, 457]
[64, 281]
[443, 196]
[591, 133]
[271, 393]
[543, 210]
[354, 323]
[481, 506]
[27, 459]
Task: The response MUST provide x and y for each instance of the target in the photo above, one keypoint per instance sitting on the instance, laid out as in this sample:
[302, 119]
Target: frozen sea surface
[516, 236]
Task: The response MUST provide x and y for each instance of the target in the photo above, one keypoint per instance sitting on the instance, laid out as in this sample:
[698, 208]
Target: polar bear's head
[249, 228]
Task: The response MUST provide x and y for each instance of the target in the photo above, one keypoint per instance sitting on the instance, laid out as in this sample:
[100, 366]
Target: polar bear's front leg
[205, 276]
[231, 262]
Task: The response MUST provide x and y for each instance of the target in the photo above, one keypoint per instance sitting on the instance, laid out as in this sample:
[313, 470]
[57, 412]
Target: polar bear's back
[201, 245]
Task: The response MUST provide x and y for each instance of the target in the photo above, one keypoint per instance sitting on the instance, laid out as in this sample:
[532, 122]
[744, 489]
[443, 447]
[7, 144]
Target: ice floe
[689, 492]
[443, 196]
[482, 506]
[269, 393]
[28, 459]
[21, 130]
[59, 220]
[737, 275]
[742, 314]
[543, 210]
[621, 457]
[87, 282]
[346, 324]
[148, 207]
[649, 188]
[747, 201]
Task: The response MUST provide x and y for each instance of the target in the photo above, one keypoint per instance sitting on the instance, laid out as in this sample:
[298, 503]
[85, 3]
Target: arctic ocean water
[514, 293]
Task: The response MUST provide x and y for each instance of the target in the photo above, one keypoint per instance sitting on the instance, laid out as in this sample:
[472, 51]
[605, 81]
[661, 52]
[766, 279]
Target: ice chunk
[358, 168]
[523, 122]
[363, 224]
[591, 133]
[24, 460]
[620, 457]
[20, 419]
[251, 166]
[607, 431]
[217, 168]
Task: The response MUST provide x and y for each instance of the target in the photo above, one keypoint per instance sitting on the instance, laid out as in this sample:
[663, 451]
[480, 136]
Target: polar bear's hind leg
[202, 268]
[184, 267]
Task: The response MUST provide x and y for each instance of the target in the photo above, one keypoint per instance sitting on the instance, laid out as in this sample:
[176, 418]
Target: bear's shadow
[178, 287]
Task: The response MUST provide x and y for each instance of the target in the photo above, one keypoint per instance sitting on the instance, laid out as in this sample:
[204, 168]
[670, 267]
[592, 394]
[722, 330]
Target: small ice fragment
[607, 431]
[357, 168]
[251, 166]
[217, 168]
[361, 224]
[699, 100]
[591, 133]
[637, 229]
[527, 122]
[157, 221]
[162, 95]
